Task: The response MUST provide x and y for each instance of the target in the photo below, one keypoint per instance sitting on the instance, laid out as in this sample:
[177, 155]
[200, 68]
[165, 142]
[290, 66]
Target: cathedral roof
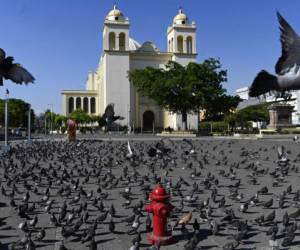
[180, 18]
[148, 47]
[133, 44]
[115, 15]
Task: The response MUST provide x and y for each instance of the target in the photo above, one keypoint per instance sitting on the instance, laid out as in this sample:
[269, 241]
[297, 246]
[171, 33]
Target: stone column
[117, 43]
[81, 103]
[184, 45]
[194, 49]
[65, 101]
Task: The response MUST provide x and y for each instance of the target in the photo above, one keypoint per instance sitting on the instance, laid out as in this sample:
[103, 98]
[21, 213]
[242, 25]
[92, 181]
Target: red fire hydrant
[160, 208]
[71, 130]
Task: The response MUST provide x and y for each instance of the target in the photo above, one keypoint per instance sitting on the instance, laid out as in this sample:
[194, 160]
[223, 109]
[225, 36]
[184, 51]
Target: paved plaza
[93, 191]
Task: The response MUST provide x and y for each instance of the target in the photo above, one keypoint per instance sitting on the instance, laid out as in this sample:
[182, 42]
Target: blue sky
[59, 41]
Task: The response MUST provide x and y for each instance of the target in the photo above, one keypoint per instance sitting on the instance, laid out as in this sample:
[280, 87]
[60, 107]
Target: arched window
[71, 104]
[122, 41]
[180, 44]
[93, 105]
[112, 41]
[189, 45]
[78, 103]
[86, 104]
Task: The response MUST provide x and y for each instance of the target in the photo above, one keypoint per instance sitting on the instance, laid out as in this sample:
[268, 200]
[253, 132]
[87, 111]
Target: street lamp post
[45, 120]
[29, 124]
[6, 121]
[129, 123]
[51, 128]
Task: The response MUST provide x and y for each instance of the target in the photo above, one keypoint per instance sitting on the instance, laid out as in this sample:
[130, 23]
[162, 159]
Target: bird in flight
[13, 71]
[287, 67]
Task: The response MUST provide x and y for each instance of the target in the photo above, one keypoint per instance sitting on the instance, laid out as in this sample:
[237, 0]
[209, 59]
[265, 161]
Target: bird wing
[19, 75]
[290, 46]
[109, 111]
[129, 148]
[280, 151]
[2, 55]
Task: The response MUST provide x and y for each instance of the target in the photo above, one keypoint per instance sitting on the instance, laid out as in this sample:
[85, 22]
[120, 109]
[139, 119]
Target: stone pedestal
[280, 116]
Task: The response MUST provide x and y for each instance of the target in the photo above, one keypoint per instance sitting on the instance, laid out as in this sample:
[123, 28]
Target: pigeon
[273, 243]
[148, 223]
[129, 219]
[93, 244]
[288, 239]
[270, 217]
[30, 245]
[111, 226]
[196, 225]
[282, 156]
[138, 238]
[13, 71]
[287, 67]
[231, 245]
[285, 219]
[214, 226]
[295, 214]
[109, 115]
[40, 235]
[268, 203]
[185, 218]
[135, 246]
[135, 225]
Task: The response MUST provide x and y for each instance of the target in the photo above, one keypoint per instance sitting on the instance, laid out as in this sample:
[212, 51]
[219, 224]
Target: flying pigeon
[13, 71]
[287, 67]
[109, 115]
[130, 153]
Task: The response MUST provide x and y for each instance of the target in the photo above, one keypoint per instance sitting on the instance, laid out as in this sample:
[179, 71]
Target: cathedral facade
[110, 84]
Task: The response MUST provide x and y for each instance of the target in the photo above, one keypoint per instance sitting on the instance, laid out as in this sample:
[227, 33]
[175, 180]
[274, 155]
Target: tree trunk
[184, 120]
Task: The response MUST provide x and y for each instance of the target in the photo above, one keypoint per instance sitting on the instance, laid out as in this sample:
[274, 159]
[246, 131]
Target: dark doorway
[71, 105]
[148, 119]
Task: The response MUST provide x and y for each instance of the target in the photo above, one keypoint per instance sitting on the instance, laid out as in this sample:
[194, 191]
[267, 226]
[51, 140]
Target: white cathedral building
[110, 84]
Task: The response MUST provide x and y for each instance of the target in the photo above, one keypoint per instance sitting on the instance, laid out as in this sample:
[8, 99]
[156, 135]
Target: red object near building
[160, 209]
[71, 130]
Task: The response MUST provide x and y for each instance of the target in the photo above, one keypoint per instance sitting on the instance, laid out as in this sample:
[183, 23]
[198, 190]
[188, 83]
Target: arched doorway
[148, 119]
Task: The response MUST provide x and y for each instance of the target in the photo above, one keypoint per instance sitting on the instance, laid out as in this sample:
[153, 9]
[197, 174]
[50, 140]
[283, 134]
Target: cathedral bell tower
[116, 87]
[116, 31]
[182, 39]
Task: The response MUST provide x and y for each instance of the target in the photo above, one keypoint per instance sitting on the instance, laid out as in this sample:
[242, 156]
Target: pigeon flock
[90, 194]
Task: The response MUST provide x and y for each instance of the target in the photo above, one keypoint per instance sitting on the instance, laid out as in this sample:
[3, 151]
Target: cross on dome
[180, 18]
[115, 14]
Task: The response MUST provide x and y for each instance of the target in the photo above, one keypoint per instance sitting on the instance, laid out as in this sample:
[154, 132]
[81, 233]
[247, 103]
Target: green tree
[59, 121]
[80, 117]
[219, 107]
[182, 89]
[253, 113]
[17, 113]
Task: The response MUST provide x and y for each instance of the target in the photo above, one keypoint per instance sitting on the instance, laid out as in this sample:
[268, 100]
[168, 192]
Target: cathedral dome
[180, 18]
[115, 15]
